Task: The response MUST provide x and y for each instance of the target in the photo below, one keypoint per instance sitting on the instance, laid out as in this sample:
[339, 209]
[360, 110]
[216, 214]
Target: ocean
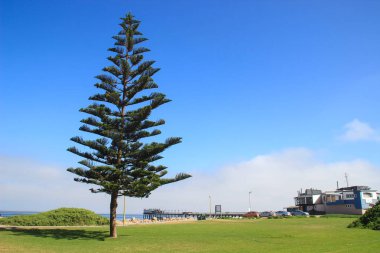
[118, 216]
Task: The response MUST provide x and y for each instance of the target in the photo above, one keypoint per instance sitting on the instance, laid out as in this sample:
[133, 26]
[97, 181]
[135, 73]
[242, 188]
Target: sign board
[218, 209]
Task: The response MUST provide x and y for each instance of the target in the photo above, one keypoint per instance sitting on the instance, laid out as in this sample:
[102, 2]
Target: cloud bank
[27, 185]
[357, 130]
[274, 180]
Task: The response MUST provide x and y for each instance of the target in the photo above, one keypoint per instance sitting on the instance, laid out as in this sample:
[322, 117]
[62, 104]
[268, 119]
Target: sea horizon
[119, 216]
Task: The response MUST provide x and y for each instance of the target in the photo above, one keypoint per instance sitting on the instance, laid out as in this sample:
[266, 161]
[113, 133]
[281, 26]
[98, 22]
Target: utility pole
[209, 203]
[346, 176]
[249, 199]
[124, 212]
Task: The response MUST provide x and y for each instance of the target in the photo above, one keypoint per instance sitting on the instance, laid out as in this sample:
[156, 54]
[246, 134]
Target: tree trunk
[113, 206]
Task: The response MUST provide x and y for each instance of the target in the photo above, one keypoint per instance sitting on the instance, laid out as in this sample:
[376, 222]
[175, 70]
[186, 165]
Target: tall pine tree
[120, 161]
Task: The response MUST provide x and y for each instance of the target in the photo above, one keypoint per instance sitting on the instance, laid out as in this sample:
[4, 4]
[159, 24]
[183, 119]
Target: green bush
[57, 217]
[371, 219]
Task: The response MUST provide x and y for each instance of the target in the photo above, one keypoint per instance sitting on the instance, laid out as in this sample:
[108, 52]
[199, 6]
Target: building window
[348, 206]
[331, 198]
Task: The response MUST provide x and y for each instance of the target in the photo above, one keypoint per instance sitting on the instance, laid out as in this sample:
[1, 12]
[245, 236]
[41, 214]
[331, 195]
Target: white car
[267, 214]
[283, 213]
[299, 213]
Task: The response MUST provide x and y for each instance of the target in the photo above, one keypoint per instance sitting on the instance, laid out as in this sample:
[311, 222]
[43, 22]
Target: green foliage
[371, 219]
[57, 217]
[121, 161]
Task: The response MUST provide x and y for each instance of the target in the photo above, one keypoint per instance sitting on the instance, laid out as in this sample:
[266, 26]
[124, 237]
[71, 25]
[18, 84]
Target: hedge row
[57, 217]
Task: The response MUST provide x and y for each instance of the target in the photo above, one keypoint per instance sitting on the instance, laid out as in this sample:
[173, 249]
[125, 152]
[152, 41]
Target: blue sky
[247, 78]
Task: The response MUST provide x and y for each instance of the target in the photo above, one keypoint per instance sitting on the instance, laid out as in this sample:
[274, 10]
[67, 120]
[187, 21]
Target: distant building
[346, 200]
[310, 201]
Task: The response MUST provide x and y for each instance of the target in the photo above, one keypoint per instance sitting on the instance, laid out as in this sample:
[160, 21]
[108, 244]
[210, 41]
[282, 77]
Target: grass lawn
[277, 235]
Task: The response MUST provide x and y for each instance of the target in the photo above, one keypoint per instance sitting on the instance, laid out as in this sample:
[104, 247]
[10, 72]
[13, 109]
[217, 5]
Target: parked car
[283, 213]
[267, 214]
[299, 213]
[251, 215]
[201, 217]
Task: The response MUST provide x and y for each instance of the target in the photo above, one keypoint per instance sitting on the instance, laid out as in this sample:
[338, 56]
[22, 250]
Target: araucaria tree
[119, 160]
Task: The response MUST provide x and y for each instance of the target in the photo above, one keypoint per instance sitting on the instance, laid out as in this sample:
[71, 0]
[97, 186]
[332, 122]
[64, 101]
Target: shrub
[57, 217]
[371, 219]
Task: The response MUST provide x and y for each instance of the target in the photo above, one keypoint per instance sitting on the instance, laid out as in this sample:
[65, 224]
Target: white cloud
[274, 180]
[357, 130]
[27, 185]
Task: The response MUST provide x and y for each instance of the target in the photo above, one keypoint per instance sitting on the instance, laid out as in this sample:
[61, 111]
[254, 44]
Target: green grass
[340, 216]
[263, 235]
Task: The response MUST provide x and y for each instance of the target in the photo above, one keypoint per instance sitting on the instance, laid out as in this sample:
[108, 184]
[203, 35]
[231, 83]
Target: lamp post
[124, 212]
[209, 203]
[249, 199]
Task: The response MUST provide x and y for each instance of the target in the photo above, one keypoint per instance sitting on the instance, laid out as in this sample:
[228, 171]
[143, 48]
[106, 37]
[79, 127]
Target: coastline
[118, 224]
[119, 217]
[154, 221]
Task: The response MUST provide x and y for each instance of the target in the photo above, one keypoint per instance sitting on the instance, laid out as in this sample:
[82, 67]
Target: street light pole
[249, 198]
[124, 212]
[209, 203]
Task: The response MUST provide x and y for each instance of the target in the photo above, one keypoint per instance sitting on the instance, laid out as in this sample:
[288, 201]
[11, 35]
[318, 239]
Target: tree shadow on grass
[66, 234]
